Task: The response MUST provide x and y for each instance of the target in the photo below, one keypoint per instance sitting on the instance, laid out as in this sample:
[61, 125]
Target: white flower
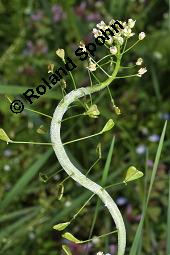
[142, 36]
[100, 253]
[128, 32]
[112, 22]
[113, 50]
[141, 71]
[50, 68]
[96, 32]
[101, 25]
[131, 23]
[82, 45]
[92, 65]
[124, 24]
[139, 62]
[119, 39]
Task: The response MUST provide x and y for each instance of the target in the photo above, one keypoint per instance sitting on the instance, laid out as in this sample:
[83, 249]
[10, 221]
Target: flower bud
[61, 54]
[142, 36]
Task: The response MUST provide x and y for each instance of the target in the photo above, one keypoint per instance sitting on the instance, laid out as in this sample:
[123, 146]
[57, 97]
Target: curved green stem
[71, 169]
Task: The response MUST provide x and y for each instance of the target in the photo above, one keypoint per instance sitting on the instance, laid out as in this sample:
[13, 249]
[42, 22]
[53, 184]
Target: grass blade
[138, 235]
[168, 222]
[24, 180]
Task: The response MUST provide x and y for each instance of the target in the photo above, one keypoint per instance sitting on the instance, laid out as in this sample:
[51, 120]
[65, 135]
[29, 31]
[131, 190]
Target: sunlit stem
[34, 111]
[115, 231]
[106, 57]
[110, 94]
[40, 113]
[72, 141]
[127, 67]
[75, 215]
[91, 84]
[55, 173]
[83, 138]
[95, 77]
[110, 61]
[73, 80]
[131, 47]
[101, 68]
[92, 166]
[74, 116]
[112, 185]
[124, 46]
[36, 143]
[9, 99]
[68, 177]
[127, 76]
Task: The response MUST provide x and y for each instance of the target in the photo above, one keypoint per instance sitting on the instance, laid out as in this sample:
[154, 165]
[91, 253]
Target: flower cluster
[119, 41]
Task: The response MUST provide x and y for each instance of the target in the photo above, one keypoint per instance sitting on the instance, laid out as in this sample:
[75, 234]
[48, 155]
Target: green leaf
[66, 249]
[109, 125]
[71, 238]
[4, 137]
[132, 174]
[61, 226]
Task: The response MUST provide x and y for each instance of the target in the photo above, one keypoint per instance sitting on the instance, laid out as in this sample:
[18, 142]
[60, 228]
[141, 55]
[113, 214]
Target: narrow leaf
[168, 222]
[71, 238]
[137, 238]
[61, 226]
[109, 125]
[66, 249]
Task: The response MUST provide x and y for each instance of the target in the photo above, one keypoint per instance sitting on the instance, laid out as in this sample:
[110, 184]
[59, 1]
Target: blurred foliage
[30, 33]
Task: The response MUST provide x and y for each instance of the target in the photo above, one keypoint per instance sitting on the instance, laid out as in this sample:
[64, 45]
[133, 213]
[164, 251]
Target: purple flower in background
[37, 16]
[121, 201]
[113, 249]
[93, 17]
[78, 249]
[150, 163]
[141, 149]
[58, 13]
[29, 50]
[80, 9]
[154, 138]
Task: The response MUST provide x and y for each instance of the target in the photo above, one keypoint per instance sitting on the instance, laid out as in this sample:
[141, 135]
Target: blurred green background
[30, 33]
